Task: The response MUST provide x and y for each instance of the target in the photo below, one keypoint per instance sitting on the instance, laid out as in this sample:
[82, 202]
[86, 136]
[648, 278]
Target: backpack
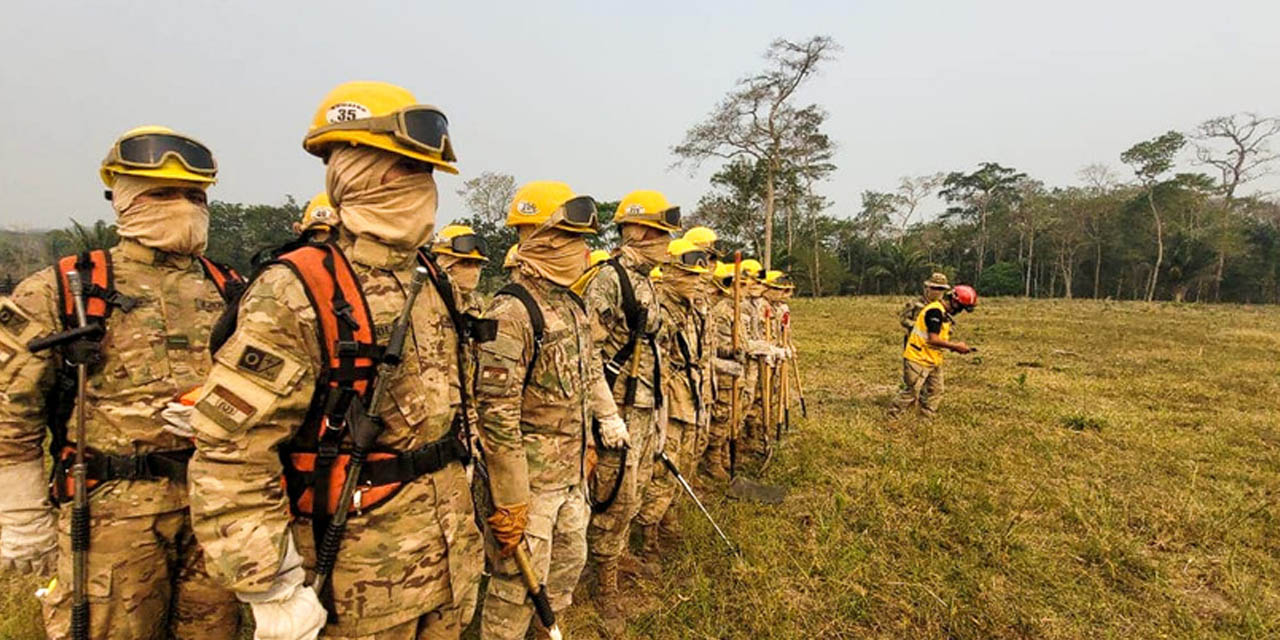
[101, 298]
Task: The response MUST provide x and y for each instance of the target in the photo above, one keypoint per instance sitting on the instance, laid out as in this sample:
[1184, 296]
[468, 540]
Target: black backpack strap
[689, 366]
[636, 318]
[536, 321]
[462, 331]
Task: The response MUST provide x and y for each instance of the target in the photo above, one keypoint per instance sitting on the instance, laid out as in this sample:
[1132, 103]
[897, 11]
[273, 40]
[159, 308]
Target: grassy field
[1099, 470]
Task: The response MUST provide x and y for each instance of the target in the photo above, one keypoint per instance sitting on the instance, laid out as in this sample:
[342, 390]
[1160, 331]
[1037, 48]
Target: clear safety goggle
[420, 127]
[152, 150]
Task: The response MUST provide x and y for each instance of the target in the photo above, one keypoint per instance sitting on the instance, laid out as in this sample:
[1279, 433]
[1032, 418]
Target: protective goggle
[697, 258]
[580, 213]
[152, 150]
[419, 127]
[467, 244]
[669, 217]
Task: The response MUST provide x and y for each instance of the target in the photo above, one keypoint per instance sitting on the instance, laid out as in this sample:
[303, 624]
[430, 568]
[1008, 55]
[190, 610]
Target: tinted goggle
[580, 213]
[468, 244]
[697, 258]
[420, 127]
[669, 217]
[152, 150]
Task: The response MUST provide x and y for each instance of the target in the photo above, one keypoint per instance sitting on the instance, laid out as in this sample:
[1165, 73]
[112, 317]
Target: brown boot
[669, 528]
[608, 601]
[714, 464]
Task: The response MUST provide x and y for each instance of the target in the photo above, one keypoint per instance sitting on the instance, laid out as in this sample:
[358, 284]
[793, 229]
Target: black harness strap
[537, 322]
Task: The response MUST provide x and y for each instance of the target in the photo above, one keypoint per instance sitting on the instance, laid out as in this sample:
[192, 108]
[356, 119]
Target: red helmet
[965, 295]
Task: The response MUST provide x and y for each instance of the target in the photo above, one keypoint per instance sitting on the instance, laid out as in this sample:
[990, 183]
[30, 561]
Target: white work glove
[759, 348]
[781, 354]
[28, 524]
[729, 367]
[177, 418]
[288, 610]
[613, 432]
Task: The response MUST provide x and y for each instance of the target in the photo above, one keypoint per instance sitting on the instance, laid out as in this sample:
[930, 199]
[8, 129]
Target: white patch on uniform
[346, 112]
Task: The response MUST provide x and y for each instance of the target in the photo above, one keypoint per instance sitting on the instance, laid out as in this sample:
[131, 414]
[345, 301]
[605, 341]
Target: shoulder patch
[13, 320]
[260, 363]
[226, 408]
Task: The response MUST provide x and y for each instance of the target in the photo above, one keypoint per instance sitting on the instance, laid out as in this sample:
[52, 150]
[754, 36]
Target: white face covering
[400, 214]
[177, 226]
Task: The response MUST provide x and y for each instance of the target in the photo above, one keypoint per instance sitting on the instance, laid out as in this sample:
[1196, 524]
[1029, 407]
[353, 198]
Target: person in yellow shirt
[922, 380]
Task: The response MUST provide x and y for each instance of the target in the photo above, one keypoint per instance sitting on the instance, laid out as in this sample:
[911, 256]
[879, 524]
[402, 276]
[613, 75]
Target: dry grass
[1100, 470]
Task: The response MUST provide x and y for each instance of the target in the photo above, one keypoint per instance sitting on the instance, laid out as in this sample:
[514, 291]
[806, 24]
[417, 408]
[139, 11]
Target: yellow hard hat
[751, 268]
[655, 274]
[598, 256]
[381, 115]
[509, 260]
[723, 275]
[649, 208]
[703, 237]
[153, 151]
[319, 212]
[460, 241]
[537, 201]
[777, 280]
[688, 256]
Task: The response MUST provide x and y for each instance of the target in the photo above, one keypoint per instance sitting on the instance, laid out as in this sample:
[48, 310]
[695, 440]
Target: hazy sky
[596, 93]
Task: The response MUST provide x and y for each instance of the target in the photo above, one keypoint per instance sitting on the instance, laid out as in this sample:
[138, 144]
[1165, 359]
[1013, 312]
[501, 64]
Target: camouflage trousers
[753, 435]
[609, 530]
[147, 580]
[556, 539]
[920, 384]
[445, 623]
[681, 442]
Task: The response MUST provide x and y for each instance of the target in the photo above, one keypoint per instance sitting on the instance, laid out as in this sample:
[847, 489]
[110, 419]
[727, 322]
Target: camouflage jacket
[412, 554]
[911, 309]
[680, 323]
[604, 302]
[535, 438]
[152, 354]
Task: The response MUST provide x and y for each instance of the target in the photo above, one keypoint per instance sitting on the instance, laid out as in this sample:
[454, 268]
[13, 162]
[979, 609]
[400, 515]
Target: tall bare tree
[488, 195]
[912, 191]
[758, 119]
[1150, 159]
[1094, 211]
[1238, 146]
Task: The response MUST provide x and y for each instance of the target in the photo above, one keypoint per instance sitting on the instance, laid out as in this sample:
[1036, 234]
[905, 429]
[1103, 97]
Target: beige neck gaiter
[463, 273]
[400, 214]
[553, 254]
[684, 284]
[173, 226]
[649, 253]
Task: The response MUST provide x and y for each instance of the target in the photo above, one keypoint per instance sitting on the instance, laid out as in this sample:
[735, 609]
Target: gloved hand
[177, 418]
[288, 609]
[297, 616]
[508, 525]
[613, 432]
[729, 367]
[781, 354]
[28, 525]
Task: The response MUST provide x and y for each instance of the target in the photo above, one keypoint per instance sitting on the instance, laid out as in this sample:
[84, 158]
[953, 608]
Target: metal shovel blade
[744, 488]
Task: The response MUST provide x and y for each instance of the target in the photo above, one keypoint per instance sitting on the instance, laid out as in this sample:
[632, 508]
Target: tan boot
[715, 464]
[608, 601]
[669, 528]
[650, 551]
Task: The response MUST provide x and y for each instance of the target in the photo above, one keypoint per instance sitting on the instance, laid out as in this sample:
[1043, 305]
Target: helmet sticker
[635, 210]
[346, 112]
[527, 208]
[322, 213]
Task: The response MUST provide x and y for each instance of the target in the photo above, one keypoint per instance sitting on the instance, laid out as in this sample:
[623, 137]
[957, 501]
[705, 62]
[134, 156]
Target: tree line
[1170, 221]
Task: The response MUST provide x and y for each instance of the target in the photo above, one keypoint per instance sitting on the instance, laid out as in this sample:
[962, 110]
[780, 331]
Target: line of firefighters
[339, 440]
